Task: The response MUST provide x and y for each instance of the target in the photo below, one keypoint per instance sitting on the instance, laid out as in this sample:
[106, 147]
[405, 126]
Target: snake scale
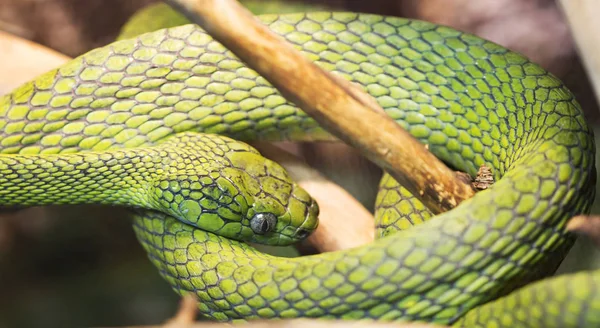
[147, 122]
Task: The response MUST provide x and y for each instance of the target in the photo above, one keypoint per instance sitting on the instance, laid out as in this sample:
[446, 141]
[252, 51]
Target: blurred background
[82, 266]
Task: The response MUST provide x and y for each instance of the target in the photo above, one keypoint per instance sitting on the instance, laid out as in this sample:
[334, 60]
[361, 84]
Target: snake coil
[472, 101]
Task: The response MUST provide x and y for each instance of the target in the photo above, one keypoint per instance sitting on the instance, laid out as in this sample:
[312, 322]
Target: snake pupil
[261, 223]
[265, 226]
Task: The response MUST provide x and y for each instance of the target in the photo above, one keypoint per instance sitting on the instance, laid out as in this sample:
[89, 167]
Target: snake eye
[261, 223]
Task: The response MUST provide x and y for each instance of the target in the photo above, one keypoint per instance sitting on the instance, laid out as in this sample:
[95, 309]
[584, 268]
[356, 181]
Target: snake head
[236, 193]
[279, 211]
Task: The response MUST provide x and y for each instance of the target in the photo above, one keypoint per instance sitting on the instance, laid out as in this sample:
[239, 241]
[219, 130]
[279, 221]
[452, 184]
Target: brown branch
[588, 225]
[344, 110]
[186, 315]
[484, 178]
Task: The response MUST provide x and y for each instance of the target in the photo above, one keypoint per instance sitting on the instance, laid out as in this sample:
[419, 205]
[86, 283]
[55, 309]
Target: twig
[186, 315]
[584, 23]
[345, 111]
[484, 178]
[588, 225]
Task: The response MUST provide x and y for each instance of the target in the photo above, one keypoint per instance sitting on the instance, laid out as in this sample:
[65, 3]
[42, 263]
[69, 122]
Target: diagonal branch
[337, 105]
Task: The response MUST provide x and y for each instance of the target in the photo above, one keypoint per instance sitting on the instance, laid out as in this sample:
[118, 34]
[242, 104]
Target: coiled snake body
[473, 103]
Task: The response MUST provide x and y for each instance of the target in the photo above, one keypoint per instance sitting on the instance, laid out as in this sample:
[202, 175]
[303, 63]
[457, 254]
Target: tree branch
[342, 109]
[587, 225]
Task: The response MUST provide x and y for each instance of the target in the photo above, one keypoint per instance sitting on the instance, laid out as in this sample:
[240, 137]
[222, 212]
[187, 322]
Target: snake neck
[117, 178]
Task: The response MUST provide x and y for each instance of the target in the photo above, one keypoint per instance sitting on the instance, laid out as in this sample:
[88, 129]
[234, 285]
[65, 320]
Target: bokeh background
[82, 266]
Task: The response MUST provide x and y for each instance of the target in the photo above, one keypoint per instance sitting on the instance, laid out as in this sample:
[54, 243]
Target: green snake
[137, 123]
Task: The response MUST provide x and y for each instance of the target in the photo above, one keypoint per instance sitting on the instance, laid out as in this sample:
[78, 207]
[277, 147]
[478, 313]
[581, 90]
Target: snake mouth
[297, 236]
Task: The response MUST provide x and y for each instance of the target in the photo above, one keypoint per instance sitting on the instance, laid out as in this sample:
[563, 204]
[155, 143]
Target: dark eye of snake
[261, 223]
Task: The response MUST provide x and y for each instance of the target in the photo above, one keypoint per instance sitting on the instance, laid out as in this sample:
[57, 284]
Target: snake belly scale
[472, 101]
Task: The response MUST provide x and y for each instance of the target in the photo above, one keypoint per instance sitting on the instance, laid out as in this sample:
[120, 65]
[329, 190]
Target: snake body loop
[472, 101]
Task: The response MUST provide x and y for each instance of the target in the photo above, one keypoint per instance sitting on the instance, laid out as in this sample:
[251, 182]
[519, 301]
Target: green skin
[565, 301]
[473, 103]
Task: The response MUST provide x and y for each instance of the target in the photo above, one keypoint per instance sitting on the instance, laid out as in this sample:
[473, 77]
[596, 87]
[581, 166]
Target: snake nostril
[302, 233]
[313, 209]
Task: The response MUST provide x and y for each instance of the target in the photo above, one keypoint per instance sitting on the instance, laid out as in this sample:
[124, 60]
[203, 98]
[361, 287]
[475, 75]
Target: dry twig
[186, 315]
[484, 178]
[588, 225]
[584, 23]
[344, 110]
